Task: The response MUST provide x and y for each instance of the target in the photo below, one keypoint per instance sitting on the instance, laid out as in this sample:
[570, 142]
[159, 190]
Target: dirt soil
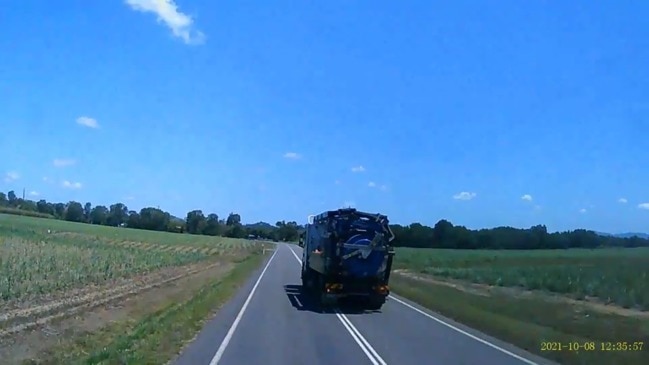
[27, 328]
[487, 290]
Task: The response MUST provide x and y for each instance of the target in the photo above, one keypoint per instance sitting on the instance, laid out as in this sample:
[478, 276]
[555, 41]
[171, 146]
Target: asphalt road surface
[271, 322]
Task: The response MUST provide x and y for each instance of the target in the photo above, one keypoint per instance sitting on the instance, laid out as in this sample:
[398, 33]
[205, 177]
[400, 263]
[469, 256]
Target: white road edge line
[228, 336]
[496, 347]
[354, 332]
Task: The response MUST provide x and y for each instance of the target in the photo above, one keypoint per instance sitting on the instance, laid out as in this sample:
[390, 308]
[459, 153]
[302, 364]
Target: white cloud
[62, 162]
[180, 24]
[11, 176]
[582, 210]
[465, 195]
[643, 206]
[527, 197]
[337, 182]
[292, 155]
[34, 193]
[88, 122]
[622, 200]
[71, 185]
[358, 168]
[129, 197]
[372, 184]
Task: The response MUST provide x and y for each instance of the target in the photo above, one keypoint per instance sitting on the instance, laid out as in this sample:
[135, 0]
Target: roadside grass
[528, 321]
[152, 338]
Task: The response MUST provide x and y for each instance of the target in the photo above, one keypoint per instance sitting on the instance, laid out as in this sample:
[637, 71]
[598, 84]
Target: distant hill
[625, 235]
[176, 219]
[260, 225]
[631, 234]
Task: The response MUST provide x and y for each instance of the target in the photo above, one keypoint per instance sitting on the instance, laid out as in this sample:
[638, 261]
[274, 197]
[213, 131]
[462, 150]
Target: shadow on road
[302, 300]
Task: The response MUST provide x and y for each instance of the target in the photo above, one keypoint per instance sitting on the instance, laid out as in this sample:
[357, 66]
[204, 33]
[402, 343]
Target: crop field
[33, 261]
[52, 269]
[614, 276]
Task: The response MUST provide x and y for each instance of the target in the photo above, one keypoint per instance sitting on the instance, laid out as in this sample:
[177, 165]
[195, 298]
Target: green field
[38, 256]
[619, 276]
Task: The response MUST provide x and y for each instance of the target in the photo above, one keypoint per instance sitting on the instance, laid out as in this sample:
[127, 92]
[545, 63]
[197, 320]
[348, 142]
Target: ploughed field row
[63, 261]
[614, 276]
[16, 316]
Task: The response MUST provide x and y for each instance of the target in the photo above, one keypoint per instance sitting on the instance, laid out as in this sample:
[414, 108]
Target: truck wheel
[326, 302]
[307, 280]
[375, 303]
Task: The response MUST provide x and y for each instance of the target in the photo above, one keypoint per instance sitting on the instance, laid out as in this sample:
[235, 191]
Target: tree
[118, 213]
[287, 231]
[195, 222]
[133, 220]
[11, 198]
[212, 226]
[154, 219]
[87, 209]
[233, 219]
[235, 231]
[99, 215]
[44, 207]
[27, 205]
[442, 233]
[59, 210]
[74, 212]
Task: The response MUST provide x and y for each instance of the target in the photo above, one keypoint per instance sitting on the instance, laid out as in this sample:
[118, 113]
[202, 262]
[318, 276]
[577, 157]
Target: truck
[347, 254]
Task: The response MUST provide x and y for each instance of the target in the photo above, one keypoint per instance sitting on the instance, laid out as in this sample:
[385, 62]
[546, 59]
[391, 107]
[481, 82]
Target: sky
[524, 113]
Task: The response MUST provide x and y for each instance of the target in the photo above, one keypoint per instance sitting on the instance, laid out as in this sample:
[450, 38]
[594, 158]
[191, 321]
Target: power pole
[23, 193]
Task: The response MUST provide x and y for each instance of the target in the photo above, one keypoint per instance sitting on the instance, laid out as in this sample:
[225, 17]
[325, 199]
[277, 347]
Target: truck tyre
[307, 280]
[327, 302]
[375, 302]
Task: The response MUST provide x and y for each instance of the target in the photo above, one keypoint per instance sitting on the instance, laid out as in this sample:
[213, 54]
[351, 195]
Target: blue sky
[453, 110]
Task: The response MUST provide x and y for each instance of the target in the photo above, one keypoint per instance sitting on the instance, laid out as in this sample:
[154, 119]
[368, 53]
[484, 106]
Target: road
[271, 322]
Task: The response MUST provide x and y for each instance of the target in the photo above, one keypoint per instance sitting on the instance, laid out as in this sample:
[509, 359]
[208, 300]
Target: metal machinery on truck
[347, 253]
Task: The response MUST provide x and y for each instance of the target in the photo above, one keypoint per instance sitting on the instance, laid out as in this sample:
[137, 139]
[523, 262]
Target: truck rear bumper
[339, 291]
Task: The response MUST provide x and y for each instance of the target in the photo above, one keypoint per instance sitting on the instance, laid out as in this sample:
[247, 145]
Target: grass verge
[156, 337]
[527, 322]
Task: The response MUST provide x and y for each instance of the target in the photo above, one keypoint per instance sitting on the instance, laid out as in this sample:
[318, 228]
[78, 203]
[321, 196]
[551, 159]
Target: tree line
[445, 235]
[442, 235]
[149, 218]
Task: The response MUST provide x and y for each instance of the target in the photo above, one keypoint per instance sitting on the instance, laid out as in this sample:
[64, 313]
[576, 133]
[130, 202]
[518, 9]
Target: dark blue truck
[347, 253]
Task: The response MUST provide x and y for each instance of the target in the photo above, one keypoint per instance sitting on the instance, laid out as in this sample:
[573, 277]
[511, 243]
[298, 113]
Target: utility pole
[23, 193]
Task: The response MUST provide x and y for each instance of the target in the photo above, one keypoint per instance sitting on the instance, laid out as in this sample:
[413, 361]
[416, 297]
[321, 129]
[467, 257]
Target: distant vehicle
[347, 253]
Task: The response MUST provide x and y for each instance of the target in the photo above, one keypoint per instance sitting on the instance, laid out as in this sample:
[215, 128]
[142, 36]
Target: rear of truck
[347, 253]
